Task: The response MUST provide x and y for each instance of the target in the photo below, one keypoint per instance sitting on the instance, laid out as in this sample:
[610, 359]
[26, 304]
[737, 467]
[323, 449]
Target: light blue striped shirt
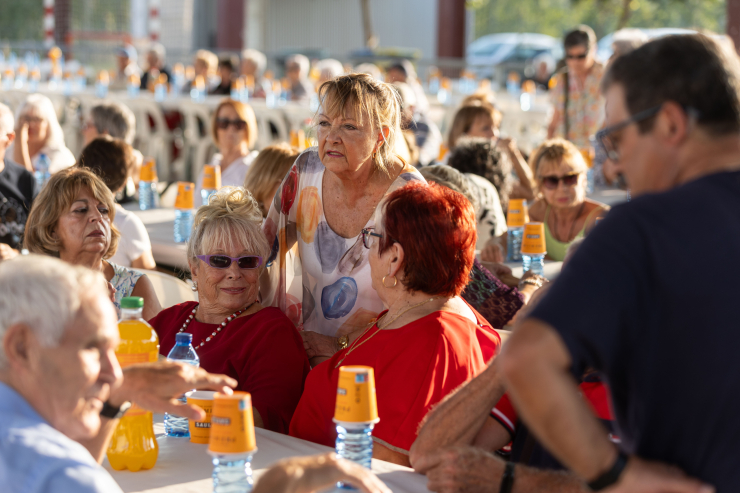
[36, 458]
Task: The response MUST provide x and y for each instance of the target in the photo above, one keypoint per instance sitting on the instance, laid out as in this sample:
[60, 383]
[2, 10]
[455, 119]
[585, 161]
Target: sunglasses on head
[582, 56]
[551, 182]
[224, 261]
[223, 123]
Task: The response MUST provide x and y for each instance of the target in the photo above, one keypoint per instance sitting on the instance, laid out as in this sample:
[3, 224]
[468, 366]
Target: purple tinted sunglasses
[224, 261]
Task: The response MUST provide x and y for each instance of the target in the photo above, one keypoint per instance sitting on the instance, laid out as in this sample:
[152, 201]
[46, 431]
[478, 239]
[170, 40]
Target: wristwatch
[112, 412]
[611, 476]
[343, 342]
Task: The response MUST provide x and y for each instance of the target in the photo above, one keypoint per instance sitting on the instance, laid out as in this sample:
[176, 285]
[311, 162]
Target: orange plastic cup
[356, 401]
[184, 198]
[148, 170]
[232, 425]
[298, 139]
[588, 156]
[212, 176]
[517, 215]
[533, 242]
[200, 431]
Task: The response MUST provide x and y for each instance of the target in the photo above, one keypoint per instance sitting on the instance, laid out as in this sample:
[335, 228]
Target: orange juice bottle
[134, 445]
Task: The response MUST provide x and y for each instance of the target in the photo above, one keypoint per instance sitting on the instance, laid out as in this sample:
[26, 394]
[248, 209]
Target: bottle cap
[183, 337]
[148, 170]
[232, 424]
[356, 402]
[533, 242]
[516, 217]
[212, 176]
[184, 198]
[132, 302]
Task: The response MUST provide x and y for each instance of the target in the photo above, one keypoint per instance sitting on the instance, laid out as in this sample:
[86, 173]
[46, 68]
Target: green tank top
[556, 249]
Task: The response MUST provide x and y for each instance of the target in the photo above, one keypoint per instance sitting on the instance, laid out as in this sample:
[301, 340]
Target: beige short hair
[245, 112]
[369, 98]
[231, 217]
[465, 117]
[268, 169]
[55, 199]
[208, 58]
[555, 151]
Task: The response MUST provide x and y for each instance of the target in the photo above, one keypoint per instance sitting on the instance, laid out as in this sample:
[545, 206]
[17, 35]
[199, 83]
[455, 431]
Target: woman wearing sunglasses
[234, 131]
[232, 332]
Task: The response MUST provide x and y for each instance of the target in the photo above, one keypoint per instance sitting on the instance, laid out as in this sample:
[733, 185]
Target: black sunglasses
[551, 182]
[224, 261]
[603, 138]
[367, 235]
[582, 56]
[223, 123]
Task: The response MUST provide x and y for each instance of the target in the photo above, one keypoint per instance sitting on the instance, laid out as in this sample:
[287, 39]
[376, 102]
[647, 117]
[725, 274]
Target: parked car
[604, 46]
[494, 56]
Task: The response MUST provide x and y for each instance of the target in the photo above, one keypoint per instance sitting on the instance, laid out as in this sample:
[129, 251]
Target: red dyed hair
[436, 228]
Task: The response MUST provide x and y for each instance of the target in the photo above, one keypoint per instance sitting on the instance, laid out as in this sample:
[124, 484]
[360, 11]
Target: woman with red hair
[429, 340]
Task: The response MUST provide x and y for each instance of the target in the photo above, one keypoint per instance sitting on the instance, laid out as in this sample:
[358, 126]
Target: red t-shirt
[262, 351]
[415, 366]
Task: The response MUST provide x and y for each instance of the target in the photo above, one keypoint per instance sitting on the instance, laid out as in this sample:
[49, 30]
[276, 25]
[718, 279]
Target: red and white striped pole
[49, 23]
[155, 26]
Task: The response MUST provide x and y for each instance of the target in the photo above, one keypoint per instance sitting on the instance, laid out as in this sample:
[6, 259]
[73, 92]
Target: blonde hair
[268, 169]
[368, 98]
[245, 112]
[208, 58]
[233, 218]
[465, 117]
[43, 108]
[55, 199]
[555, 151]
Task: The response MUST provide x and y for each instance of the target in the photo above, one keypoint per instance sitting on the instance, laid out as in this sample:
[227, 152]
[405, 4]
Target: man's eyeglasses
[551, 182]
[224, 261]
[581, 56]
[223, 123]
[367, 237]
[603, 135]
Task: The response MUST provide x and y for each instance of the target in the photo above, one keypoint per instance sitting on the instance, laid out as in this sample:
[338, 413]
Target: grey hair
[302, 61]
[257, 57]
[44, 108]
[330, 68]
[232, 218]
[447, 176]
[628, 39]
[45, 294]
[7, 122]
[369, 69]
[115, 119]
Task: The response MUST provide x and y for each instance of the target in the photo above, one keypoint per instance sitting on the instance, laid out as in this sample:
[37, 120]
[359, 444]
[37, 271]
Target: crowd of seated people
[367, 249]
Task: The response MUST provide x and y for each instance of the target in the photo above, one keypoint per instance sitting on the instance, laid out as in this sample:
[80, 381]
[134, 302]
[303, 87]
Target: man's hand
[319, 345]
[156, 387]
[315, 473]
[7, 253]
[641, 476]
[461, 470]
[507, 144]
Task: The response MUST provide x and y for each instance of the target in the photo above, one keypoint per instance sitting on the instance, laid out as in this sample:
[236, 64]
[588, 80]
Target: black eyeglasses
[224, 261]
[551, 182]
[223, 123]
[582, 56]
[367, 237]
[606, 142]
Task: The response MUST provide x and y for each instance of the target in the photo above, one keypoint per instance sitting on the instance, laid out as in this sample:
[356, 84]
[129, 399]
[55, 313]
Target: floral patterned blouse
[124, 280]
[585, 106]
[319, 279]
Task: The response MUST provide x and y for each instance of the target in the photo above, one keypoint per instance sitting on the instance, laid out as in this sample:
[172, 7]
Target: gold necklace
[355, 344]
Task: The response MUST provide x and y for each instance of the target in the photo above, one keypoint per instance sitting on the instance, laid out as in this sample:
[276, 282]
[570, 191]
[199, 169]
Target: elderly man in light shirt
[57, 370]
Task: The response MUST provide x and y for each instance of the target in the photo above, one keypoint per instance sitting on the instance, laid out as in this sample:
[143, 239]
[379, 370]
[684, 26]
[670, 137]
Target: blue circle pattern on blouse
[338, 299]
[329, 247]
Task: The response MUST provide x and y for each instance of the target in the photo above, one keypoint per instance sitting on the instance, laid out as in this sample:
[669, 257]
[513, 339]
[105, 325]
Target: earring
[194, 287]
[395, 281]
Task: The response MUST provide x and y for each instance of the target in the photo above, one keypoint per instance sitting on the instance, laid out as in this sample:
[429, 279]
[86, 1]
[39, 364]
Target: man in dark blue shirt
[642, 300]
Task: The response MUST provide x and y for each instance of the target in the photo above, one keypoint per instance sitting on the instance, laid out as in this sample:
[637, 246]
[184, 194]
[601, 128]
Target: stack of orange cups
[232, 442]
[534, 248]
[516, 218]
[355, 413]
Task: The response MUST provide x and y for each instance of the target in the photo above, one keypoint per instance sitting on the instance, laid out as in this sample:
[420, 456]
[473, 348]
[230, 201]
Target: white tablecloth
[184, 467]
[160, 224]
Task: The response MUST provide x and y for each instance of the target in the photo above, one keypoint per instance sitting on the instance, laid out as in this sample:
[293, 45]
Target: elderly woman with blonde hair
[233, 332]
[72, 218]
[319, 274]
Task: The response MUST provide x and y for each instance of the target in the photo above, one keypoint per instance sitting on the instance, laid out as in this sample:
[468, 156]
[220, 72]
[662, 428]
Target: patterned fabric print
[494, 300]
[124, 280]
[585, 107]
[319, 279]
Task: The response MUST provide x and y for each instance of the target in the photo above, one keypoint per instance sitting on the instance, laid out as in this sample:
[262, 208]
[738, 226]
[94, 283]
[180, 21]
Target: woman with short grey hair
[110, 118]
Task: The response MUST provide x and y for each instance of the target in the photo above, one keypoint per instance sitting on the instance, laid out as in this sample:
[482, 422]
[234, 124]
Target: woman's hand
[319, 345]
[7, 253]
[492, 251]
[21, 155]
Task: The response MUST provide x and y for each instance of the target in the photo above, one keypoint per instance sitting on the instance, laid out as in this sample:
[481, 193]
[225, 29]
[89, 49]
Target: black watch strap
[612, 475]
[112, 412]
[507, 480]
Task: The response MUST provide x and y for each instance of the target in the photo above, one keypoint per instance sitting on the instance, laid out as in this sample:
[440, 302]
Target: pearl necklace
[219, 328]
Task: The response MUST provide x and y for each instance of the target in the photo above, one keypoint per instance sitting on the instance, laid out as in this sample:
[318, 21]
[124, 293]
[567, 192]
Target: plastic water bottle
[590, 180]
[41, 173]
[514, 244]
[232, 475]
[148, 196]
[183, 225]
[355, 443]
[183, 351]
[535, 263]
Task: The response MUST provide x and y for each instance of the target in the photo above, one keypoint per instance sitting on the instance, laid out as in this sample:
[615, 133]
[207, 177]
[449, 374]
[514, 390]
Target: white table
[184, 467]
[160, 224]
[552, 269]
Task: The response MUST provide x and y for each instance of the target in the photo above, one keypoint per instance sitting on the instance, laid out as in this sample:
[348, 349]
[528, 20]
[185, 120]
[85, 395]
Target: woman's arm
[145, 261]
[145, 289]
[521, 168]
[21, 154]
[384, 453]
